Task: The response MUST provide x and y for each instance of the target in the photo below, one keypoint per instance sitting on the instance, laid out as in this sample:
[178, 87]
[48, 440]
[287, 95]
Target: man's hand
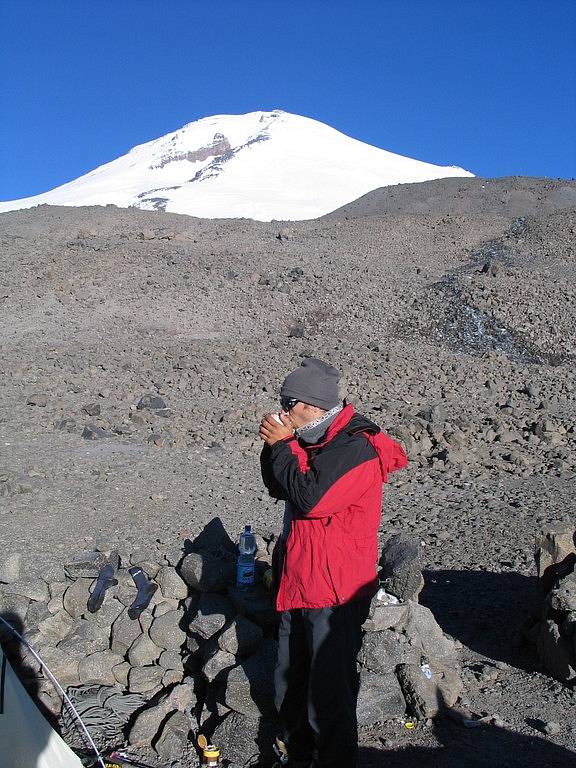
[271, 431]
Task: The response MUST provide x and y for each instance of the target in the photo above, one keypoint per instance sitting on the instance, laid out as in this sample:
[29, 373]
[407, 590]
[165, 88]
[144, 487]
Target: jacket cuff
[283, 441]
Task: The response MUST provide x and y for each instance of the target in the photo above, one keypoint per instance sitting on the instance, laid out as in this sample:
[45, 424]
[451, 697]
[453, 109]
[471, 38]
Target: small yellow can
[210, 752]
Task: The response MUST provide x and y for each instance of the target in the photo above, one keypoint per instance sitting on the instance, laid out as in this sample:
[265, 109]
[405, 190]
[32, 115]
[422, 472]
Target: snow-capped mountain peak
[261, 165]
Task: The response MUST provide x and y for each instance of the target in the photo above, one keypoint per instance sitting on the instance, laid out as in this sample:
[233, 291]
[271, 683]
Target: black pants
[316, 684]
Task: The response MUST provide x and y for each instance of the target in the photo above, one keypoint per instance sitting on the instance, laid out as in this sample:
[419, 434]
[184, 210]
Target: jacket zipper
[336, 595]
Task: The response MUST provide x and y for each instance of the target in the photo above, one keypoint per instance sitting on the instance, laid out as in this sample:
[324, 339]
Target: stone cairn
[554, 632]
[200, 657]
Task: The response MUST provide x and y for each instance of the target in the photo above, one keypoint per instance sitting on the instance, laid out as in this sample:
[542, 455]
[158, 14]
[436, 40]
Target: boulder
[171, 584]
[556, 652]
[249, 686]
[382, 652]
[380, 698]
[63, 665]
[212, 614]
[124, 632]
[241, 638]
[165, 631]
[236, 736]
[144, 679]
[427, 689]
[150, 403]
[563, 596]
[402, 567]
[164, 606]
[10, 567]
[172, 676]
[173, 740]
[424, 633]
[207, 572]
[148, 721]
[217, 663]
[121, 672]
[13, 608]
[37, 612]
[143, 652]
[55, 627]
[87, 638]
[555, 552]
[98, 668]
[94, 432]
[76, 597]
[171, 660]
[126, 590]
[106, 615]
[85, 565]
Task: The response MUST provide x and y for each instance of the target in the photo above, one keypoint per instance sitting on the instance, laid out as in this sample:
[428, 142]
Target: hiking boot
[284, 761]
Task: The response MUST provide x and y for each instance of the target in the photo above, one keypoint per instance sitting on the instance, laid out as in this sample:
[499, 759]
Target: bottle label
[245, 573]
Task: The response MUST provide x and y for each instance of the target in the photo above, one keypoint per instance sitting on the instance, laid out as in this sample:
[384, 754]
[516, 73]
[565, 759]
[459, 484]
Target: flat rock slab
[85, 565]
[382, 616]
[33, 589]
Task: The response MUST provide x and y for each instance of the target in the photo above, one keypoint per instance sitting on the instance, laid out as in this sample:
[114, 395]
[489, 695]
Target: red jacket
[335, 489]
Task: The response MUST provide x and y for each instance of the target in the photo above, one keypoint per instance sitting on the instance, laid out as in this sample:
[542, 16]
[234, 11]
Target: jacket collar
[347, 418]
[337, 425]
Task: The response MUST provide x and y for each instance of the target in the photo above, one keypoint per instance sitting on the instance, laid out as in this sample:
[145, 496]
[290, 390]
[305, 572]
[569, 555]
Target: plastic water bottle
[246, 552]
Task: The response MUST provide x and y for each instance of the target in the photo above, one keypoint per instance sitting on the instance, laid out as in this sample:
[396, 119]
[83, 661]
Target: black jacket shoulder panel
[360, 423]
[328, 463]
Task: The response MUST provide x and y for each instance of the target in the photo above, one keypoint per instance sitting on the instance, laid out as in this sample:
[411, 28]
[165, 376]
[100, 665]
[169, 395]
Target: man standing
[328, 463]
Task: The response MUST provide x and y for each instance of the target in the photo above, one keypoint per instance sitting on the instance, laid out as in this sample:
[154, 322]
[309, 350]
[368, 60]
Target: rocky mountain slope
[455, 330]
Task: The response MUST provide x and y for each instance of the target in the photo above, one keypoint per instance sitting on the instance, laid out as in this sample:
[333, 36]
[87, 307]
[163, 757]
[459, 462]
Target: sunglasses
[287, 403]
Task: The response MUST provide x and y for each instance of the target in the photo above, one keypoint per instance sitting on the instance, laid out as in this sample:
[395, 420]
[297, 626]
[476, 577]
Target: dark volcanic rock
[94, 432]
[150, 403]
[402, 567]
[380, 698]
[249, 686]
[207, 573]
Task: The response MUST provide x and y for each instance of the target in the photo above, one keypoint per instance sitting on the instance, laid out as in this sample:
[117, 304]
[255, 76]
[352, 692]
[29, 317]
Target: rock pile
[200, 655]
[555, 632]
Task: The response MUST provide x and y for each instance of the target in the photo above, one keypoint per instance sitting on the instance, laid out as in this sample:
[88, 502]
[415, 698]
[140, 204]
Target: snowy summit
[262, 165]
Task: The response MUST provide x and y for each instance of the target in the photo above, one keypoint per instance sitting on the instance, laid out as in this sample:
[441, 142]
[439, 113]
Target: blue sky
[487, 85]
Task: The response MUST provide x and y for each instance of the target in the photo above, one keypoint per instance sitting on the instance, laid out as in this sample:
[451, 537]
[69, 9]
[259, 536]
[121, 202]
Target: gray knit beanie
[315, 383]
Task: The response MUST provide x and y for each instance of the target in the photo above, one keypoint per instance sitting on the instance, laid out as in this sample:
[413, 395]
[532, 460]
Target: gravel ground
[449, 307]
